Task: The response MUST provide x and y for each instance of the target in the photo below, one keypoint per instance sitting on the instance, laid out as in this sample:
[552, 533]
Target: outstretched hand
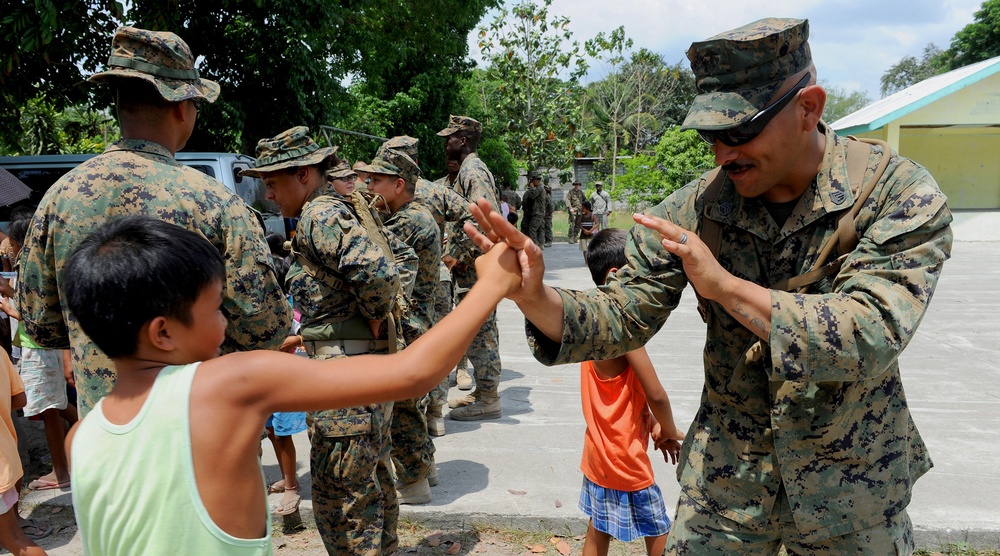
[700, 266]
[493, 229]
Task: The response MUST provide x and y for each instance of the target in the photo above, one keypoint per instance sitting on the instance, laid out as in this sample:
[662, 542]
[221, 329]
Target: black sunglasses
[748, 131]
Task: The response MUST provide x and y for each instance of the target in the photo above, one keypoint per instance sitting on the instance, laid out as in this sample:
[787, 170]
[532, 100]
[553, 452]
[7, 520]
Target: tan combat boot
[486, 406]
[465, 400]
[435, 420]
[463, 379]
[432, 473]
[417, 492]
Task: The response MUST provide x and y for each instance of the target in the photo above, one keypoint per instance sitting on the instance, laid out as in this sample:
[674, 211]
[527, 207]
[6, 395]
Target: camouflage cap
[393, 163]
[289, 149]
[461, 123]
[401, 143]
[159, 58]
[342, 170]
[738, 72]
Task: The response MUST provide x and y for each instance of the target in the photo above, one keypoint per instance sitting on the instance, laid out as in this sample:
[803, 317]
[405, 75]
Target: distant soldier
[550, 208]
[394, 176]
[513, 199]
[345, 285]
[574, 204]
[601, 202]
[535, 203]
[158, 94]
[474, 181]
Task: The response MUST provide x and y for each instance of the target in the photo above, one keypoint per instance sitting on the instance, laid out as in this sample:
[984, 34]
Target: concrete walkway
[523, 470]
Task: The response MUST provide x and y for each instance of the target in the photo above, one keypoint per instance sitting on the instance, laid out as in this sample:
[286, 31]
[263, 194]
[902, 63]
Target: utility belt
[337, 348]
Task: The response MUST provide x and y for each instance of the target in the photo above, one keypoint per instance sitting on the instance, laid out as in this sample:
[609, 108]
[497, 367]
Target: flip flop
[290, 506]
[39, 484]
[277, 487]
[34, 529]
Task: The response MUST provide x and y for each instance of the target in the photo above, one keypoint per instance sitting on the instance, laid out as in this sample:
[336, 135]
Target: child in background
[12, 397]
[283, 424]
[180, 432]
[588, 227]
[618, 492]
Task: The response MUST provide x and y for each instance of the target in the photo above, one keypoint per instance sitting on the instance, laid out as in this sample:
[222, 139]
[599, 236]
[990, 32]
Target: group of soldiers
[371, 269]
[537, 206]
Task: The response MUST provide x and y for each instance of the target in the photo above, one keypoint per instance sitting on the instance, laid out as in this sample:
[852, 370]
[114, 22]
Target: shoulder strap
[711, 231]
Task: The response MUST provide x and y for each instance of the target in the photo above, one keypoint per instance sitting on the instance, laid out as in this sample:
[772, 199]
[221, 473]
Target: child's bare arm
[261, 380]
[656, 396]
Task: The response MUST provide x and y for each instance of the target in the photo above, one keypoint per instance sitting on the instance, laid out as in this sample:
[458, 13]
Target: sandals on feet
[276, 487]
[289, 502]
[34, 529]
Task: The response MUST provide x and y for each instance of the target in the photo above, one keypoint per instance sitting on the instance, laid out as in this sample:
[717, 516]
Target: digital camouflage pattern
[798, 412]
[450, 211]
[289, 149]
[461, 123]
[739, 71]
[513, 199]
[159, 58]
[350, 445]
[574, 205]
[142, 177]
[475, 181]
[393, 163]
[533, 219]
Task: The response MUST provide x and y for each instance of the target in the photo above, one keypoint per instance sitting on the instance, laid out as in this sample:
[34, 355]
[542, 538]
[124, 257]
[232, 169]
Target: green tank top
[134, 490]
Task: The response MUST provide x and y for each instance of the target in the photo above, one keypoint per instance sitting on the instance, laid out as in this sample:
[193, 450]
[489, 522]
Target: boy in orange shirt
[623, 404]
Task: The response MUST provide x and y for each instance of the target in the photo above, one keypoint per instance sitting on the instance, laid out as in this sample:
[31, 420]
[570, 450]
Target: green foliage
[910, 71]
[979, 40]
[840, 103]
[537, 67]
[498, 159]
[679, 158]
[44, 129]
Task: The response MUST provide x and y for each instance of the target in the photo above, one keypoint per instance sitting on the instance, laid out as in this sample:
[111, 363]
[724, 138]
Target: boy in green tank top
[180, 432]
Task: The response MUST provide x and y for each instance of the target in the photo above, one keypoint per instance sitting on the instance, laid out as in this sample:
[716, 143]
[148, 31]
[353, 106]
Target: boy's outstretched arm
[668, 437]
[539, 303]
[270, 381]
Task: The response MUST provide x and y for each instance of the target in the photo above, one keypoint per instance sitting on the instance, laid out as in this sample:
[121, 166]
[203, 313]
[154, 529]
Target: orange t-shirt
[614, 447]
[10, 461]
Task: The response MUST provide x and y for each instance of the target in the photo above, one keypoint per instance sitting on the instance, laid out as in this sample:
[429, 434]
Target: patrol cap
[738, 72]
[393, 163]
[342, 170]
[159, 58]
[461, 123]
[402, 143]
[289, 149]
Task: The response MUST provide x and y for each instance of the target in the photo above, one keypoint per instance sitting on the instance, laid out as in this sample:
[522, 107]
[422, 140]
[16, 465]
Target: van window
[204, 169]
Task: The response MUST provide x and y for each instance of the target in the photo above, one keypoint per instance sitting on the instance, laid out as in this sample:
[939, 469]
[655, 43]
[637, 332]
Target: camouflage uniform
[550, 208]
[533, 224]
[574, 206]
[141, 177]
[474, 181]
[808, 439]
[600, 201]
[513, 199]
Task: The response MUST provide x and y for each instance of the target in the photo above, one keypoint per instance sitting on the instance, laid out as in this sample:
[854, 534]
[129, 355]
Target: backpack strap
[711, 230]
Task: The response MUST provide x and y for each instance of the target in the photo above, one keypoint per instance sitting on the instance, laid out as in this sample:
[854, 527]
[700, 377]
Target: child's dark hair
[17, 230]
[276, 243]
[512, 217]
[606, 251]
[132, 270]
[280, 270]
[587, 205]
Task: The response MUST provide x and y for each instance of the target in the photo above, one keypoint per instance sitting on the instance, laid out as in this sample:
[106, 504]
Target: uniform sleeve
[38, 290]
[476, 182]
[258, 312]
[407, 262]
[880, 294]
[460, 245]
[339, 242]
[622, 316]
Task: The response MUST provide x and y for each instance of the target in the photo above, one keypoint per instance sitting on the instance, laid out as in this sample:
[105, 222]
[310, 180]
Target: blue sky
[853, 41]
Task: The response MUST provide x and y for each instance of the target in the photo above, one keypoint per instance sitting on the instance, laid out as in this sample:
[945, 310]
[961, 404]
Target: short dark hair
[276, 243]
[471, 139]
[280, 270]
[606, 251]
[17, 230]
[132, 270]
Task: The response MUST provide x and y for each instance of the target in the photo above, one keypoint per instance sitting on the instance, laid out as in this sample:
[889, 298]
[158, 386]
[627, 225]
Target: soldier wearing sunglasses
[803, 437]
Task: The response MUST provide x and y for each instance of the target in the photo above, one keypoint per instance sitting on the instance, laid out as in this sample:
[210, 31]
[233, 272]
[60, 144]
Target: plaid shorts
[625, 515]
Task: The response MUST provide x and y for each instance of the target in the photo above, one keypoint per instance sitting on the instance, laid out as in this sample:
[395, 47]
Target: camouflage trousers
[353, 491]
[548, 228]
[536, 231]
[443, 304]
[697, 531]
[574, 228]
[412, 448]
[484, 352]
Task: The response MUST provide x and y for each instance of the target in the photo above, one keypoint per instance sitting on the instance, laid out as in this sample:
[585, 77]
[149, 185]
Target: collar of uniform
[139, 145]
[324, 190]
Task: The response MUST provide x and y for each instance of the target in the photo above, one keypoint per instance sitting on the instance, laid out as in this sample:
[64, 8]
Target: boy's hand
[290, 344]
[499, 265]
[671, 451]
[496, 229]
